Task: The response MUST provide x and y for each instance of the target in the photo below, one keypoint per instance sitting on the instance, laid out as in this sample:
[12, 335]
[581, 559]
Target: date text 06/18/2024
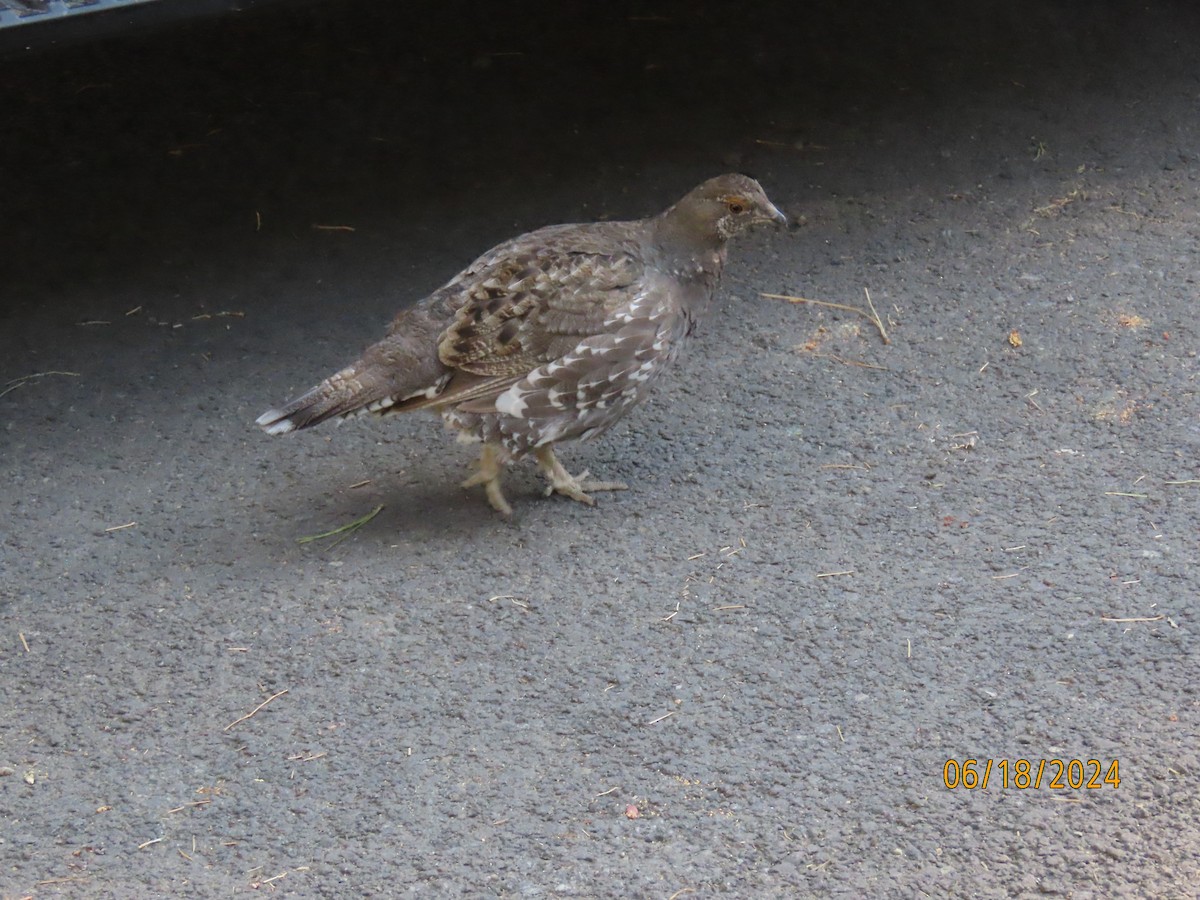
[1025, 774]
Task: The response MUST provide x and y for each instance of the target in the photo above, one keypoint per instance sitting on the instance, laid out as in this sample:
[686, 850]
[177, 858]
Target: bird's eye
[736, 206]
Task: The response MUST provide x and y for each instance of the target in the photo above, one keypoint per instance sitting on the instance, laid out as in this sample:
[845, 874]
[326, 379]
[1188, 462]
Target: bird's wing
[529, 307]
[585, 390]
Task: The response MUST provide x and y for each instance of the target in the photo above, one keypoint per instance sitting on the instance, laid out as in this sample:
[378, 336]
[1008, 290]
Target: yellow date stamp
[1031, 774]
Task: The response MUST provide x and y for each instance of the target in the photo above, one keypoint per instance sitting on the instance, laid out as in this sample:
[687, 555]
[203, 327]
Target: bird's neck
[687, 249]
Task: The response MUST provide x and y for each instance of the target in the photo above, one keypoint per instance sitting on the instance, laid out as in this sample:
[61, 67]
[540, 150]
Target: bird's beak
[773, 214]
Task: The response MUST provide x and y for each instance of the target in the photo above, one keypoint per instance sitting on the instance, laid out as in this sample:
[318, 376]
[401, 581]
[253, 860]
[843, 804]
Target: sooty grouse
[548, 337]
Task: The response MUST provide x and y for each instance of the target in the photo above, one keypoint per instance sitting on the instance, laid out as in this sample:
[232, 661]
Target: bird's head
[722, 207]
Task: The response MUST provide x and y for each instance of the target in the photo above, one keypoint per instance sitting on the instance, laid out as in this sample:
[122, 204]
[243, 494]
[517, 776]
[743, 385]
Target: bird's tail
[397, 374]
[356, 388]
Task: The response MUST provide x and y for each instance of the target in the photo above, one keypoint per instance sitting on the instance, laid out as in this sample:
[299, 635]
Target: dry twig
[189, 805]
[256, 709]
[872, 316]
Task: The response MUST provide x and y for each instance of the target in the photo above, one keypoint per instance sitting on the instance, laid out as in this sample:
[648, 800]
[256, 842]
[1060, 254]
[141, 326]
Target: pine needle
[347, 529]
[25, 379]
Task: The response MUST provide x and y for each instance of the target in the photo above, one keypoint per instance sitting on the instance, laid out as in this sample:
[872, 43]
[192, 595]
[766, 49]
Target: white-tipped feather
[512, 402]
[272, 424]
[428, 393]
[381, 405]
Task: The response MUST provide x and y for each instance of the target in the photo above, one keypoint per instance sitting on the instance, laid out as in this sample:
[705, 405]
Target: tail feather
[338, 395]
[349, 392]
[400, 372]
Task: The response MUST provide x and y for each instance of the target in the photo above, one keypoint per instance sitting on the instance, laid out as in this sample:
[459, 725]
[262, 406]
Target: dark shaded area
[121, 154]
[841, 564]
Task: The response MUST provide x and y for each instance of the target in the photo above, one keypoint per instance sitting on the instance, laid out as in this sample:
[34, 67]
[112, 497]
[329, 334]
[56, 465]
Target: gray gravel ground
[842, 563]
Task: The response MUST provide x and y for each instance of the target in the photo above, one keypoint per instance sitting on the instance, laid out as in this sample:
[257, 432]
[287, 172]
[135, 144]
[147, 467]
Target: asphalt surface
[842, 563]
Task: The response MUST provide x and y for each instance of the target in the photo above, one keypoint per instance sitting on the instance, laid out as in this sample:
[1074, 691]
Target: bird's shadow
[416, 511]
[412, 510]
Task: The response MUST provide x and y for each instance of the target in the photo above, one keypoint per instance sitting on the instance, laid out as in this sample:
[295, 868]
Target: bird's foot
[490, 467]
[577, 487]
[574, 486]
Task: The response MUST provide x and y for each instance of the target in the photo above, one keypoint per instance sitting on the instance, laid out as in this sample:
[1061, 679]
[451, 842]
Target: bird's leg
[573, 486]
[491, 464]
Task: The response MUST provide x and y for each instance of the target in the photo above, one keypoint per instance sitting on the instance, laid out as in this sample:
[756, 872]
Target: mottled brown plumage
[548, 337]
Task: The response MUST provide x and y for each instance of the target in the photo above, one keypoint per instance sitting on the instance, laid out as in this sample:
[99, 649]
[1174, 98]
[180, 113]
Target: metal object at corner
[27, 12]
